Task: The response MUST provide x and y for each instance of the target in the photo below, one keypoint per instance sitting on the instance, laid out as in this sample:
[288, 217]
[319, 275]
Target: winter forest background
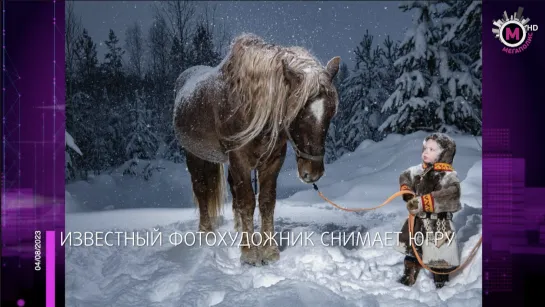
[119, 107]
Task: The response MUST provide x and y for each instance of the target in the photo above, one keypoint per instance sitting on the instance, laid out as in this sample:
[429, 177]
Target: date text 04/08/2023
[37, 250]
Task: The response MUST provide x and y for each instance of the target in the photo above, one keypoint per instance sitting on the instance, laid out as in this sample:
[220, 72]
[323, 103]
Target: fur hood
[447, 145]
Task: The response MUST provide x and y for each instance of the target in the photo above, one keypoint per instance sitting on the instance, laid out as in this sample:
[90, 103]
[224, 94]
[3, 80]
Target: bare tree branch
[218, 30]
[179, 15]
[134, 43]
[159, 46]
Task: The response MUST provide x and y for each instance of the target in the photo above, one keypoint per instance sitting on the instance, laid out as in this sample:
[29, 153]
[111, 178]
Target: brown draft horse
[242, 113]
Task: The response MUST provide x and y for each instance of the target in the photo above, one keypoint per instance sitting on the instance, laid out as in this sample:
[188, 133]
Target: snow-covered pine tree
[101, 146]
[173, 152]
[116, 90]
[113, 58]
[161, 76]
[202, 48]
[112, 67]
[389, 72]
[362, 96]
[334, 144]
[82, 96]
[330, 150]
[86, 63]
[383, 84]
[80, 121]
[436, 86]
[69, 167]
[330, 144]
[118, 126]
[462, 22]
[418, 93]
[142, 142]
[351, 107]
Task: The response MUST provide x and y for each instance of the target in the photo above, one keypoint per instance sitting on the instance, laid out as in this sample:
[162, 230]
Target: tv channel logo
[514, 32]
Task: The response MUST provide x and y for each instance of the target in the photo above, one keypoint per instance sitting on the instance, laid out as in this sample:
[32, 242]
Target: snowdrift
[305, 275]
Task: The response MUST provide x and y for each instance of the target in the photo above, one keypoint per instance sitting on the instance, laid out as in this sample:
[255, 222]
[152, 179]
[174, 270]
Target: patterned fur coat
[437, 188]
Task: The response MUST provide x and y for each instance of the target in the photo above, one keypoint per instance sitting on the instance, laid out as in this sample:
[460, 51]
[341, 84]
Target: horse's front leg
[268, 175]
[244, 206]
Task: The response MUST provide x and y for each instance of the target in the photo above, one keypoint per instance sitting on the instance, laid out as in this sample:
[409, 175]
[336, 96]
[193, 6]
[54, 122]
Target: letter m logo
[512, 34]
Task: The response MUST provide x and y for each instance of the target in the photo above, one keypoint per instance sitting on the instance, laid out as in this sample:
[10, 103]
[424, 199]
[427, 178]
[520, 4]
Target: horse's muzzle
[309, 178]
[310, 171]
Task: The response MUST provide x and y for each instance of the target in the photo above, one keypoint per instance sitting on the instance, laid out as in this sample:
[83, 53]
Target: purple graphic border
[513, 180]
[33, 137]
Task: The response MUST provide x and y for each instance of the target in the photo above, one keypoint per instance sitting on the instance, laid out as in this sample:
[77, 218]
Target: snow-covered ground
[318, 275]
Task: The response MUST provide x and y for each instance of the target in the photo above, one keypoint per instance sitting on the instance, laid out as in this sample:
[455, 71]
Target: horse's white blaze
[317, 109]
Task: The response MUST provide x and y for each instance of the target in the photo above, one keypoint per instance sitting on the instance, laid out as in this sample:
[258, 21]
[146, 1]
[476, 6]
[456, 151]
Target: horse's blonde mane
[254, 73]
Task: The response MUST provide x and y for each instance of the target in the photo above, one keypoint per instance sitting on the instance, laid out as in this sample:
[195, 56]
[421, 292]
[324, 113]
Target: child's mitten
[407, 197]
[413, 206]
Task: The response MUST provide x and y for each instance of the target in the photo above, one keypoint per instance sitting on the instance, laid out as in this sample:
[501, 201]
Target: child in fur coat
[437, 190]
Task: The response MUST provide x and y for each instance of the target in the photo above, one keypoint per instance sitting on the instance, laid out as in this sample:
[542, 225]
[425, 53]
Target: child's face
[431, 151]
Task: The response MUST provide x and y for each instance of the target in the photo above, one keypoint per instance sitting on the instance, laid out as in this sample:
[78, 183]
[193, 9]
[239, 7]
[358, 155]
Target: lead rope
[411, 228]
[255, 182]
[361, 209]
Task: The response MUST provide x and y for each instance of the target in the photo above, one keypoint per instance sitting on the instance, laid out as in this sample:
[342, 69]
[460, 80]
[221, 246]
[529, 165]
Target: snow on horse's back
[190, 79]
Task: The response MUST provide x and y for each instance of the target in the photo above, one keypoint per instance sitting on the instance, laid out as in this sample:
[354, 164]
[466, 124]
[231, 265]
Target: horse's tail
[216, 193]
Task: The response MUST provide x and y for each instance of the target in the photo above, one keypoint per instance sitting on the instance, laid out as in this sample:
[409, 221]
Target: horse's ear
[332, 66]
[292, 76]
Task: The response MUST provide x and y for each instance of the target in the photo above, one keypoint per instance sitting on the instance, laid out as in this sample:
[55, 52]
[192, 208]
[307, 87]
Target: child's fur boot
[410, 273]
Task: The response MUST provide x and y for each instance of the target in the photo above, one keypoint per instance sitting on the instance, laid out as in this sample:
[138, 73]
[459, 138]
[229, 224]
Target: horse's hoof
[270, 254]
[250, 256]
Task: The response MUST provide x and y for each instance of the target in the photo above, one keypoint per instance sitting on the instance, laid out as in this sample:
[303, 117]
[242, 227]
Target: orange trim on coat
[441, 167]
[428, 203]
